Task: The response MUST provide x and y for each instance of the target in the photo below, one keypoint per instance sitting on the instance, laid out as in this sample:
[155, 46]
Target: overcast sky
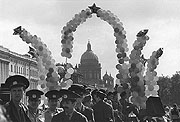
[46, 18]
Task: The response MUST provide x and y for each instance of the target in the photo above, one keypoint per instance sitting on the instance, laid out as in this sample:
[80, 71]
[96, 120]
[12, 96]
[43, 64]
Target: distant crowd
[78, 103]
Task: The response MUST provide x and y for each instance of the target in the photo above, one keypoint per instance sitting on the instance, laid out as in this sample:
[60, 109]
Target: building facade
[90, 68]
[12, 63]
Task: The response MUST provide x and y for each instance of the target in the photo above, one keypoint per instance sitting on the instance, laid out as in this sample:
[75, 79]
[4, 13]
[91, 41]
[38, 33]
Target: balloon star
[17, 30]
[142, 33]
[94, 8]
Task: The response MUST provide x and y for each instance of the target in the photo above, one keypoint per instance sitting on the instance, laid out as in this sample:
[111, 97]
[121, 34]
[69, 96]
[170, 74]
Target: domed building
[90, 69]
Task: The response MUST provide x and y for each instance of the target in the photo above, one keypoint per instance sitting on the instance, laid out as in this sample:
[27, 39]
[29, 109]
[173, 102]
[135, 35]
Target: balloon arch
[131, 75]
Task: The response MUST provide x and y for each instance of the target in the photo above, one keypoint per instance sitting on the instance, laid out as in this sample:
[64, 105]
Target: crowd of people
[78, 103]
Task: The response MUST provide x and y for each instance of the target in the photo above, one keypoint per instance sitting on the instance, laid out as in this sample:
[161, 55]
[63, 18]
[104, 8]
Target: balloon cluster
[136, 70]
[65, 71]
[151, 77]
[142, 85]
[52, 79]
[45, 62]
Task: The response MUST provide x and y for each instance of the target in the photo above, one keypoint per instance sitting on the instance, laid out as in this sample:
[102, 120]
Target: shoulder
[88, 109]
[24, 106]
[78, 114]
[57, 117]
[8, 106]
[106, 104]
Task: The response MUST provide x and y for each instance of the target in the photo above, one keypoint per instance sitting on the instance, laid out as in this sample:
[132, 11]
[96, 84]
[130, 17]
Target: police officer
[68, 103]
[34, 100]
[53, 96]
[87, 112]
[103, 111]
[16, 110]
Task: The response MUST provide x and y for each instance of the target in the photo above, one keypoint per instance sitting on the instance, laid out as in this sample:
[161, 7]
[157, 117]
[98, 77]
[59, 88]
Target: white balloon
[156, 87]
[118, 81]
[154, 93]
[69, 82]
[70, 70]
[67, 75]
[39, 87]
[156, 78]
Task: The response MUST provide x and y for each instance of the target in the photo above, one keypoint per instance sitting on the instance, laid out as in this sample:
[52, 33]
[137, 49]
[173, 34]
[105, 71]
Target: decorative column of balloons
[44, 58]
[67, 32]
[136, 70]
[65, 71]
[151, 77]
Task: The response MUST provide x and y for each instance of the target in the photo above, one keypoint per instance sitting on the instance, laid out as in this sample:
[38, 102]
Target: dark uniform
[63, 117]
[48, 114]
[17, 114]
[69, 97]
[103, 111]
[87, 112]
[34, 95]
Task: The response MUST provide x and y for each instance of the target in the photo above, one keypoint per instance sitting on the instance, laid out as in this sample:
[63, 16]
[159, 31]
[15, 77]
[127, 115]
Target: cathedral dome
[89, 55]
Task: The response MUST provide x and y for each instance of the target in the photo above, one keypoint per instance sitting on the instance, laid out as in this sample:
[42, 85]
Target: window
[11, 68]
[19, 69]
[14, 68]
[24, 70]
[27, 72]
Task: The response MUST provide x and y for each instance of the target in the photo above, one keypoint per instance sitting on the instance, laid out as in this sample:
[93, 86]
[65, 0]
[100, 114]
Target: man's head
[80, 90]
[34, 98]
[87, 101]
[68, 100]
[53, 97]
[99, 96]
[17, 85]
